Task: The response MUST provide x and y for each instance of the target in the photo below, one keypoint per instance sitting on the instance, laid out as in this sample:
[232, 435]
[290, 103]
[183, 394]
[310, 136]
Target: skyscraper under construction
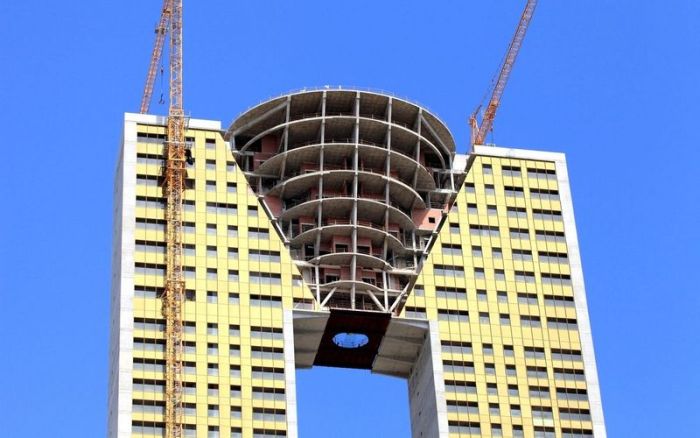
[340, 228]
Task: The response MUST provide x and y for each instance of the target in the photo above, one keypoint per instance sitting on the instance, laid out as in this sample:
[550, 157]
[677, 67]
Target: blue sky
[613, 83]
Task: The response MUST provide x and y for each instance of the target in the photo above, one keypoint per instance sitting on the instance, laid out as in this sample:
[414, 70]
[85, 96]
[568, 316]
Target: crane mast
[161, 32]
[479, 131]
[174, 174]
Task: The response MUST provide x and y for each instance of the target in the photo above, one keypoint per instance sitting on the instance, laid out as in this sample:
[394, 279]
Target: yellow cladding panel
[239, 277]
[498, 281]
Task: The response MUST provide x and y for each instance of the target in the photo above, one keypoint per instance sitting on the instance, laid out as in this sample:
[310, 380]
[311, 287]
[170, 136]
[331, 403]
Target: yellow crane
[174, 173]
[480, 130]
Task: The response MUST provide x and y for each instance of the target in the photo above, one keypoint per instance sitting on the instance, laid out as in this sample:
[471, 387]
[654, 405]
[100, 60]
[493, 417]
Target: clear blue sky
[613, 83]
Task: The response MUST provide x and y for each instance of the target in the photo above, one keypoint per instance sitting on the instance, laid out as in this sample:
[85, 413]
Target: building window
[544, 195]
[235, 370]
[516, 213]
[491, 389]
[212, 349]
[234, 299]
[569, 375]
[213, 432]
[448, 270]
[522, 255]
[534, 353]
[484, 230]
[265, 278]
[572, 394]
[464, 428]
[451, 292]
[212, 296]
[256, 255]
[210, 164]
[222, 208]
[266, 333]
[489, 190]
[566, 355]
[451, 250]
[459, 367]
[484, 318]
[539, 391]
[562, 323]
[232, 231]
[258, 233]
[511, 172]
[553, 257]
[451, 315]
[456, 347]
[211, 274]
[211, 229]
[527, 299]
[462, 407]
[500, 275]
[265, 301]
[481, 295]
[508, 351]
[537, 373]
[234, 351]
[546, 174]
[515, 411]
[213, 369]
[546, 215]
[524, 276]
[504, 319]
[235, 391]
[416, 312]
[477, 252]
[514, 192]
[234, 331]
[530, 321]
[211, 186]
[212, 327]
[459, 387]
[574, 414]
[513, 391]
[233, 275]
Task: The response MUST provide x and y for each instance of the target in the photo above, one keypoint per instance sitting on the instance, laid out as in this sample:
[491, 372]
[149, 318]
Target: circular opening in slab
[350, 340]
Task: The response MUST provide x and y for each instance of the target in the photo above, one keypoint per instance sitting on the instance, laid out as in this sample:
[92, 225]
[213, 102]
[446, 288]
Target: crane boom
[478, 132]
[174, 186]
[161, 31]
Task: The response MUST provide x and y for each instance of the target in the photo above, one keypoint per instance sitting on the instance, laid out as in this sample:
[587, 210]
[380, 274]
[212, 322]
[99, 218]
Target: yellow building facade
[492, 335]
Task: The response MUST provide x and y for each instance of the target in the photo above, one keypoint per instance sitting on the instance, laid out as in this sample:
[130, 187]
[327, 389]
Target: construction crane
[480, 130]
[161, 31]
[174, 175]
[173, 187]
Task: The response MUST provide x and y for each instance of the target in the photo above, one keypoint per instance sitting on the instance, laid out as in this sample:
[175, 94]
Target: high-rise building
[341, 228]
